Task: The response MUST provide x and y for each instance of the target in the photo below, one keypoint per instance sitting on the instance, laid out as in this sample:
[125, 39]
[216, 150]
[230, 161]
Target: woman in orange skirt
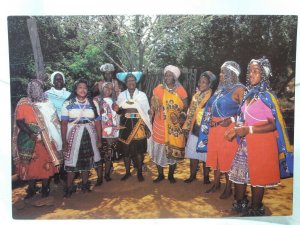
[256, 161]
[224, 106]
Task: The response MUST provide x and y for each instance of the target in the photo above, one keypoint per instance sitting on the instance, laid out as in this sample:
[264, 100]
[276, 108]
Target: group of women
[237, 130]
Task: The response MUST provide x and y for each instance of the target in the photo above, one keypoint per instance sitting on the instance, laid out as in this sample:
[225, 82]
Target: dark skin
[237, 96]
[170, 81]
[81, 94]
[269, 126]
[58, 82]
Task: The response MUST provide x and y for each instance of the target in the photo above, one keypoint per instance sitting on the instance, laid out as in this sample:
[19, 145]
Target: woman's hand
[242, 131]
[230, 134]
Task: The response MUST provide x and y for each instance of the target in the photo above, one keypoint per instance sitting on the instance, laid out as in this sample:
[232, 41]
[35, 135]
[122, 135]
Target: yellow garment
[175, 139]
[195, 111]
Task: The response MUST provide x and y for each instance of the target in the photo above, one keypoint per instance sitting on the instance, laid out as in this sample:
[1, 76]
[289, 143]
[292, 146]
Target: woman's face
[254, 74]
[131, 83]
[203, 83]
[108, 75]
[222, 76]
[169, 78]
[35, 91]
[107, 90]
[58, 82]
[81, 90]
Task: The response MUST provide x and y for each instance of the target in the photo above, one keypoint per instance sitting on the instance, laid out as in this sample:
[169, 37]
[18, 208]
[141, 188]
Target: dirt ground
[132, 199]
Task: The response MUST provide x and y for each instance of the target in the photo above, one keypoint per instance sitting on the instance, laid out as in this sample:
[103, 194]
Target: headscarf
[123, 76]
[210, 76]
[107, 67]
[231, 73]
[175, 70]
[265, 72]
[36, 86]
[53, 76]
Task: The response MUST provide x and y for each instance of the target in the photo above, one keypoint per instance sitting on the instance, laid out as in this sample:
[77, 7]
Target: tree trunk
[36, 47]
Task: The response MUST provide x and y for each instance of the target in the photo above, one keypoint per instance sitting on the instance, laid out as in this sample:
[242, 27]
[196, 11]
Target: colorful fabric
[174, 69]
[171, 106]
[74, 136]
[109, 118]
[109, 149]
[139, 101]
[123, 75]
[239, 170]
[223, 105]
[77, 111]
[85, 155]
[190, 149]
[57, 98]
[265, 171]
[32, 159]
[220, 151]
[195, 111]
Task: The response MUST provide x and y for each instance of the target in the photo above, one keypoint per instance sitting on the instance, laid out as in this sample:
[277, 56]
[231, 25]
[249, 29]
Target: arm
[64, 128]
[245, 130]
[24, 127]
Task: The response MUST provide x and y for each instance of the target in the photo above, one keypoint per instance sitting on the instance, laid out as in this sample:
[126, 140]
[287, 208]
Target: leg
[161, 175]
[85, 184]
[99, 175]
[31, 190]
[108, 164]
[240, 203]
[193, 170]
[228, 190]
[216, 185]
[171, 173]
[257, 208]
[45, 187]
[127, 161]
[139, 163]
[69, 189]
[206, 174]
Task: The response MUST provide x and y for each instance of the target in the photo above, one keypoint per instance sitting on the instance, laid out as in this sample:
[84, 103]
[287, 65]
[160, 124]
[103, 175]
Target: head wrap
[122, 76]
[35, 87]
[175, 70]
[53, 76]
[231, 75]
[265, 72]
[211, 77]
[107, 67]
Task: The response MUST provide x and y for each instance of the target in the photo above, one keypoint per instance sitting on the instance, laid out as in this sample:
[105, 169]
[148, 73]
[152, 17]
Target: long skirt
[85, 160]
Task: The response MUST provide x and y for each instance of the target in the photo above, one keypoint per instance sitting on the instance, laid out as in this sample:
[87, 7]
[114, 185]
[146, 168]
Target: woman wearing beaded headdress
[168, 106]
[192, 125]
[135, 126]
[224, 107]
[81, 135]
[36, 139]
[262, 138]
[107, 70]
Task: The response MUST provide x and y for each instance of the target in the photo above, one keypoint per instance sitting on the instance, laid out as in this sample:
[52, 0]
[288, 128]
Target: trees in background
[78, 45]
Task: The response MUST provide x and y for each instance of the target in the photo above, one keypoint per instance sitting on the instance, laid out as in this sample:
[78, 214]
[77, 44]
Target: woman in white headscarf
[168, 104]
[58, 93]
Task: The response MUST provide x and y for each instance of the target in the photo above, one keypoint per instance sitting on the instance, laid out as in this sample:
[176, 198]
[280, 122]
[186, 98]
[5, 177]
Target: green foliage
[79, 45]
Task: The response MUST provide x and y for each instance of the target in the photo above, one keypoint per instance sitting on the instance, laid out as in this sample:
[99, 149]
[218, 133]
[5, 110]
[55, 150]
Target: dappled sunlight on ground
[132, 199]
